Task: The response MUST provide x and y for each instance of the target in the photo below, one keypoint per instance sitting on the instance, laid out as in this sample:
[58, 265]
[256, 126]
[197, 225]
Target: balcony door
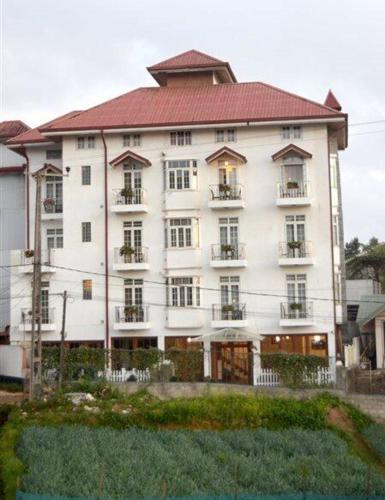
[293, 170]
[54, 190]
[227, 173]
[45, 302]
[296, 294]
[228, 237]
[132, 238]
[133, 300]
[229, 290]
[133, 181]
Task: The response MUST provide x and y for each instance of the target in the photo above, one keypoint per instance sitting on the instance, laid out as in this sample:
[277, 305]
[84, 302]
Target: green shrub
[188, 364]
[79, 461]
[375, 435]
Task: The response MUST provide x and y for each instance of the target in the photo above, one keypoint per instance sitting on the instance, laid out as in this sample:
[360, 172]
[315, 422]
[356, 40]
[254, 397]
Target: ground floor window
[300, 344]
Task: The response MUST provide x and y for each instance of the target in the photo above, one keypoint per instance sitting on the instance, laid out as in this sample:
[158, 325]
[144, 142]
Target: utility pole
[36, 351]
[62, 337]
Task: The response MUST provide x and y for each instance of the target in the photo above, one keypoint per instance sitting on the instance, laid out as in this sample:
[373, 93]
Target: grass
[375, 436]
[79, 461]
[121, 415]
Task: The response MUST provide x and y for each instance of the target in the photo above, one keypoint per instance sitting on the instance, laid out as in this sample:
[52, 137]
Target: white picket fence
[124, 375]
[268, 378]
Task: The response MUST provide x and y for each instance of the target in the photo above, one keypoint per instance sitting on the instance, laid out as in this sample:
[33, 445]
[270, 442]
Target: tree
[353, 248]
[366, 261]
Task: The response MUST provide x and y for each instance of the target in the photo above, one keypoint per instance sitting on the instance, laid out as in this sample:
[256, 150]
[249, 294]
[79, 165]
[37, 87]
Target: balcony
[132, 317]
[229, 316]
[130, 259]
[128, 200]
[296, 314]
[184, 317]
[293, 193]
[27, 261]
[295, 253]
[226, 196]
[223, 256]
[52, 209]
[47, 320]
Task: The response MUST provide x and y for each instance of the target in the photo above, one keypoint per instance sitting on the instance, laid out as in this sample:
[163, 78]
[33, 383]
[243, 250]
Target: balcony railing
[131, 314]
[229, 312]
[224, 192]
[228, 252]
[297, 310]
[127, 196]
[294, 249]
[293, 189]
[47, 315]
[53, 206]
[131, 255]
[46, 258]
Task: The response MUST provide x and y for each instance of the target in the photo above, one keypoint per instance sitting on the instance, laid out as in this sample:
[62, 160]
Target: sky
[58, 56]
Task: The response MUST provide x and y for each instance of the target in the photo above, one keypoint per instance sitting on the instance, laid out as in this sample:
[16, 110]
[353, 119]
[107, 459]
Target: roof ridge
[292, 94]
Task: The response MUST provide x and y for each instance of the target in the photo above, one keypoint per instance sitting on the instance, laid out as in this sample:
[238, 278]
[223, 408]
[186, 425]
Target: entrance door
[231, 362]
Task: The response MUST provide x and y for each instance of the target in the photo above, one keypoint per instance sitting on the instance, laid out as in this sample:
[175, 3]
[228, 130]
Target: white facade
[262, 266]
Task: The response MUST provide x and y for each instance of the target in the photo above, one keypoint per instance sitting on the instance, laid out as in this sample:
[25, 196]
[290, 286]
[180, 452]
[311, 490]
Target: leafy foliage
[375, 435]
[141, 463]
[365, 261]
[294, 370]
[188, 364]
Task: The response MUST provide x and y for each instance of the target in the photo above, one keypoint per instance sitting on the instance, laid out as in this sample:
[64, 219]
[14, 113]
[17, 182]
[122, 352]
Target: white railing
[124, 375]
[269, 378]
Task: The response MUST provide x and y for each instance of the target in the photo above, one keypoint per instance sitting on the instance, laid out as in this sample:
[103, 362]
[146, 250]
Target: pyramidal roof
[332, 102]
[190, 59]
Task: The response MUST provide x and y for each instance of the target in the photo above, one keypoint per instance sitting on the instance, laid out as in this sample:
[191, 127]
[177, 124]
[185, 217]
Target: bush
[294, 370]
[141, 463]
[188, 364]
[375, 435]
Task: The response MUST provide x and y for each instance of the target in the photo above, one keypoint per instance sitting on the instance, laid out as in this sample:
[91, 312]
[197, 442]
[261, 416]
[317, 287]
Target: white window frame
[225, 135]
[291, 132]
[86, 142]
[181, 175]
[86, 175]
[86, 232]
[55, 235]
[87, 290]
[181, 233]
[181, 138]
[183, 291]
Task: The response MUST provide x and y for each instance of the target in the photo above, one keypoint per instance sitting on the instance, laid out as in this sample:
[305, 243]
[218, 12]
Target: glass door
[54, 191]
[295, 235]
[133, 184]
[228, 237]
[133, 299]
[132, 239]
[296, 293]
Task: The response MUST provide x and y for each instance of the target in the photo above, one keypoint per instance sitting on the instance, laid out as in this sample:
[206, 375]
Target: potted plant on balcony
[292, 185]
[28, 254]
[227, 250]
[294, 245]
[48, 204]
[224, 190]
[295, 306]
[127, 193]
[127, 252]
[131, 312]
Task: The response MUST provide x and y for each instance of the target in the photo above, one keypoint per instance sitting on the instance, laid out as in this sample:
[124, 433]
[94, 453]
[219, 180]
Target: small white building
[196, 206]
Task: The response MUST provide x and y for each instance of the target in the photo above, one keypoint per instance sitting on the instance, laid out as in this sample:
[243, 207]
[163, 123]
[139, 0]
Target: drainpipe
[23, 152]
[107, 339]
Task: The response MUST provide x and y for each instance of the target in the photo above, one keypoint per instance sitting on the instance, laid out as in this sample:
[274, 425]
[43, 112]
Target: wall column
[256, 350]
[380, 340]
[207, 359]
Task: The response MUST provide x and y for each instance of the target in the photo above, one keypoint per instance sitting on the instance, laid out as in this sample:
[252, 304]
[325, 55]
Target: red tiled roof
[11, 128]
[34, 135]
[225, 151]
[176, 106]
[292, 149]
[189, 59]
[332, 102]
[12, 170]
[132, 155]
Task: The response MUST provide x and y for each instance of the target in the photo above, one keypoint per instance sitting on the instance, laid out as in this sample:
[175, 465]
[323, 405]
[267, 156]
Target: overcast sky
[59, 56]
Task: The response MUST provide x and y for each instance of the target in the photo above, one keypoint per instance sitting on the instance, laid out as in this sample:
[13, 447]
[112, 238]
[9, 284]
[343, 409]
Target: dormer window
[182, 138]
[225, 135]
[291, 132]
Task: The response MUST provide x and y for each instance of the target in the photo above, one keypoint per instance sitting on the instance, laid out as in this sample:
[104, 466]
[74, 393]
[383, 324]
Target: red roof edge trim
[133, 156]
[226, 151]
[291, 149]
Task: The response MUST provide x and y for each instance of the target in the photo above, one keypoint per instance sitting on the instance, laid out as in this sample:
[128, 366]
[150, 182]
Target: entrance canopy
[228, 335]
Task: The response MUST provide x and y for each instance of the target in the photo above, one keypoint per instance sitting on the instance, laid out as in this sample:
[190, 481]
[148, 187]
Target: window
[181, 174]
[132, 140]
[225, 135]
[338, 287]
[86, 232]
[291, 132]
[54, 194]
[181, 138]
[296, 294]
[183, 292]
[55, 238]
[228, 231]
[229, 286]
[86, 175]
[132, 235]
[53, 154]
[179, 233]
[87, 289]
[336, 230]
[86, 142]
[295, 228]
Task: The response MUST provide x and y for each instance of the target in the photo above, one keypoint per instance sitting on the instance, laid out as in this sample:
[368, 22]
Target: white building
[223, 198]
[12, 214]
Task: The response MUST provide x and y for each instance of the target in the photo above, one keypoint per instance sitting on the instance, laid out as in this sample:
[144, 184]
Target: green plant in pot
[296, 306]
[131, 310]
[126, 251]
[292, 185]
[294, 245]
[28, 254]
[227, 248]
[227, 308]
[127, 193]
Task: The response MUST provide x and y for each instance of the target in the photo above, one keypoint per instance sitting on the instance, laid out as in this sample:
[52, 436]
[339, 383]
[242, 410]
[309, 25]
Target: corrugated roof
[173, 106]
[34, 134]
[332, 102]
[370, 306]
[10, 128]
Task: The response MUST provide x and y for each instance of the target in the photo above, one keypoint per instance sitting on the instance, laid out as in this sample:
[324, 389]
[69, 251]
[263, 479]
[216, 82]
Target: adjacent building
[200, 211]
[12, 214]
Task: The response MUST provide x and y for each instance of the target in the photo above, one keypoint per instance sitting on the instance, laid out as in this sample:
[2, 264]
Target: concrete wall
[12, 361]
